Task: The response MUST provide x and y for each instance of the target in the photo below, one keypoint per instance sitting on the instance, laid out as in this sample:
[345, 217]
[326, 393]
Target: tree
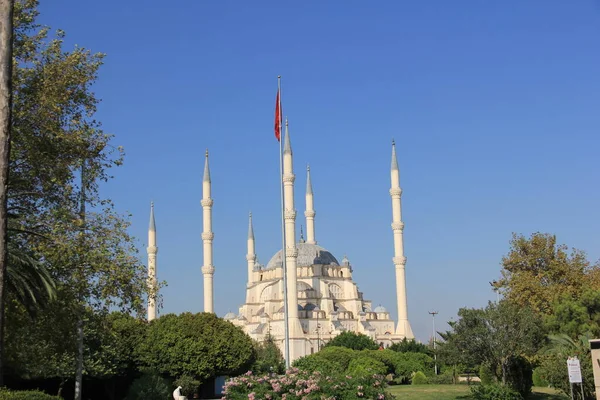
[352, 340]
[411, 346]
[6, 54]
[496, 336]
[537, 271]
[268, 357]
[199, 345]
[576, 316]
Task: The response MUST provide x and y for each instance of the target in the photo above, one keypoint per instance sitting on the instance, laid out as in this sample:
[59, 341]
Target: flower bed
[301, 385]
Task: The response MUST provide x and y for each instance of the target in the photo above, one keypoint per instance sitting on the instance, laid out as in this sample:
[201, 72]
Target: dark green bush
[354, 341]
[364, 365]
[519, 376]
[313, 362]
[388, 357]
[338, 355]
[149, 386]
[538, 378]
[409, 363]
[445, 378]
[494, 392]
[6, 394]
[189, 385]
[486, 375]
[419, 378]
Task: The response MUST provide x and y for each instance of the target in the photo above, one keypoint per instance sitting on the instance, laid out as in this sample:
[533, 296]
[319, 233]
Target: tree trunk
[6, 43]
[79, 369]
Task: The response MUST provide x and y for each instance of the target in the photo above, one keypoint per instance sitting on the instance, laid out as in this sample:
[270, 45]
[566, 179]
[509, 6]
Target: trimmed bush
[538, 378]
[387, 357]
[419, 378]
[6, 394]
[338, 355]
[409, 363]
[445, 378]
[494, 392]
[364, 365]
[149, 387]
[313, 362]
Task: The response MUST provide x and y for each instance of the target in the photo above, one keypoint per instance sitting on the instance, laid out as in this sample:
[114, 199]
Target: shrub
[150, 386]
[313, 362]
[538, 378]
[411, 346]
[6, 394]
[445, 378]
[354, 341]
[387, 357]
[338, 355]
[519, 375]
[296, 385]
[409, 363]
[494, 392]
[364, 365]
[486, 375]
[188, 384]
[419, 378]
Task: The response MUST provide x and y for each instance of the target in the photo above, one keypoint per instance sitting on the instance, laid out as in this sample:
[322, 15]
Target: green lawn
[453, 392]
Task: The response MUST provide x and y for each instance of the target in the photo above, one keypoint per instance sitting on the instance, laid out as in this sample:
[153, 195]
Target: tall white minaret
[291, 253]
[399, 259]
[208, 270]
[310, 210]
[152, 250]
[251, 256]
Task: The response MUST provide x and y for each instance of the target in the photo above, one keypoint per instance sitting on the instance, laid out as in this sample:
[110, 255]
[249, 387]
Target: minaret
[251, 256]
[208, 270]
[310, 211]
[291, 253]
[152, 250]
[403, 328]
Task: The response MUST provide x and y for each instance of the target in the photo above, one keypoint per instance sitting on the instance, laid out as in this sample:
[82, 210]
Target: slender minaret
[291, 253]
[403, 328]
[251, 256]
[208, 270]
[310, 210]
[152, 250]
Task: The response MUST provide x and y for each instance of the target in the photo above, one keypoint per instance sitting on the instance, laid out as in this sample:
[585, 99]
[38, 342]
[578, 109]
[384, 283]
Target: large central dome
[308, 254]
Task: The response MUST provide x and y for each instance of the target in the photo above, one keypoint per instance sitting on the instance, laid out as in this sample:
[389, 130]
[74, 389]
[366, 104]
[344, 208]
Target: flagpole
[283, 248]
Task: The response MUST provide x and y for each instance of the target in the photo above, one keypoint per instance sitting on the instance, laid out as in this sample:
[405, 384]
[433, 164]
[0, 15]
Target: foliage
[338, 355]
[314, 362]
[411, 346]
[268, 357]
[494, 392]
[6, 394]
[419, 378]
[519, 375]
[553, 364]
[538, 378]
[576, 315]
[388, 357]
[445, 378]
[353, 340]
[149, 386]
[409, 363]
[296, 385]
[200, 345]
[486, 376]
[537, 272]
[494, 336]
[188, 384]
[365, 365]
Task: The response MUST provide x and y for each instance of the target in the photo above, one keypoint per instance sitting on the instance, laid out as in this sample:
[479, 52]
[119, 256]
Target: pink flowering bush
[302, 385]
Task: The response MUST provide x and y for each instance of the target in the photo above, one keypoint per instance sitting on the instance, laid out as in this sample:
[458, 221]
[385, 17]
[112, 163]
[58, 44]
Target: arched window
[335, 291]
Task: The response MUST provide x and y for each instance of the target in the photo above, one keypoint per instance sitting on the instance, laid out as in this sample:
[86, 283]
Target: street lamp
[433, 313]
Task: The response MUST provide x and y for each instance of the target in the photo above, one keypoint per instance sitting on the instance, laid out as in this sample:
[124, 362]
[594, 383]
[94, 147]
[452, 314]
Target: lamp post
[433, 313]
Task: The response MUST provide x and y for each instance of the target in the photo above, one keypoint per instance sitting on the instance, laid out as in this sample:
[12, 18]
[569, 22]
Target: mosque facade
[323, 299]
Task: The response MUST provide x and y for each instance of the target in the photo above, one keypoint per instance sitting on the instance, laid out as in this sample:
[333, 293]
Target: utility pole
[433, 313]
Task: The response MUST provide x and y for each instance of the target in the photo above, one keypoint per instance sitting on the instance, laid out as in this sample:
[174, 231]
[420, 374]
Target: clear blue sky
[494, 107]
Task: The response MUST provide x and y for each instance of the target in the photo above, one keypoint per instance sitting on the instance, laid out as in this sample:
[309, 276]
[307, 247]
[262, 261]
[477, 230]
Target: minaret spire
[399, 259]
[310, 211]
[208, 270]
[152, 250]
[251, 255]
[291, 252]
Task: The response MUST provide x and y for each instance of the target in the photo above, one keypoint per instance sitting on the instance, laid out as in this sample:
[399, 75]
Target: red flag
[277, 117]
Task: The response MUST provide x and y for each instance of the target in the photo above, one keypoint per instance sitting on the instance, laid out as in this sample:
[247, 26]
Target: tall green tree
[6, 63]
[576, 316]
[537, 271]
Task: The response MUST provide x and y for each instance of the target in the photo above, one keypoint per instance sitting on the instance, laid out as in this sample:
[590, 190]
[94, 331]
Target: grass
[453, 392]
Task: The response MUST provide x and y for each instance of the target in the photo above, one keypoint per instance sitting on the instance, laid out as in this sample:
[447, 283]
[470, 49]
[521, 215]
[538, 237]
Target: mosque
[323, 300]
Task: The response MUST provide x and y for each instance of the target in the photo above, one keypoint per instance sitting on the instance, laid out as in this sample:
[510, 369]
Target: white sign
[574, 370]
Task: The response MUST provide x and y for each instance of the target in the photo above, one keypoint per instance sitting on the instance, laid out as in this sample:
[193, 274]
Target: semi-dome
[308, 254]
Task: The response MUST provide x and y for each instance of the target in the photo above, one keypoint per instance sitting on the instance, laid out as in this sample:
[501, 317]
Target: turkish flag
[278, 117]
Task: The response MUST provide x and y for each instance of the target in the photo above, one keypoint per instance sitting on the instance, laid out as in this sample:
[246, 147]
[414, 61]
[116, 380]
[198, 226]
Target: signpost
[574, 369]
